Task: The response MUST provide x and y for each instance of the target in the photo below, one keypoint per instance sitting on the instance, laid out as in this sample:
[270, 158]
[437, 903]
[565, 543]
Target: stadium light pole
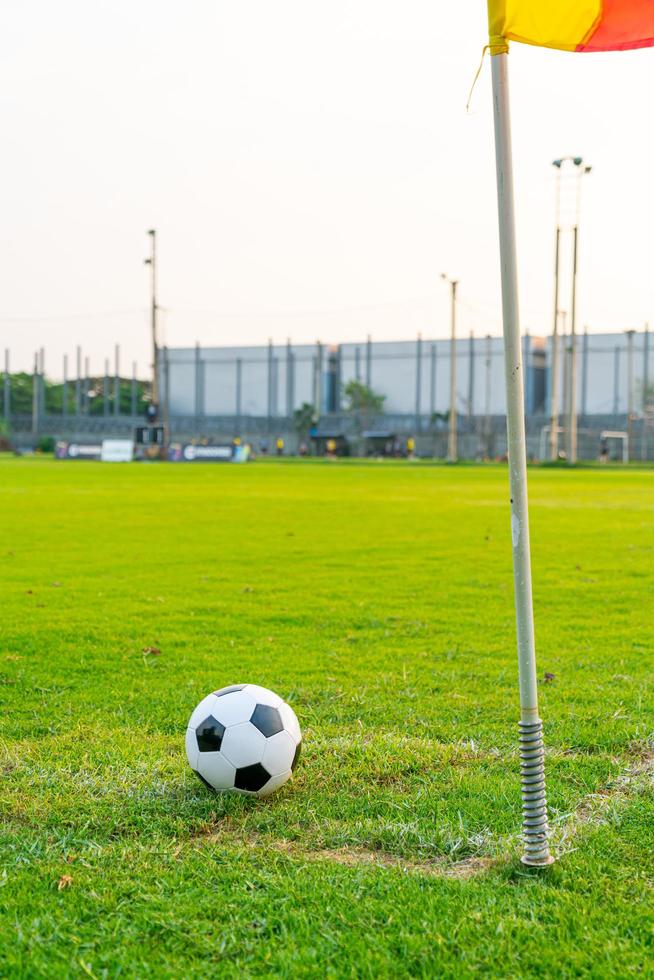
[554, 376]
[152, 262]
[452, 449]
[580, 169]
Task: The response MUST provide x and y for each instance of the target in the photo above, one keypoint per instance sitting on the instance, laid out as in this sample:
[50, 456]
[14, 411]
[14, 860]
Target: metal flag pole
[534, 805]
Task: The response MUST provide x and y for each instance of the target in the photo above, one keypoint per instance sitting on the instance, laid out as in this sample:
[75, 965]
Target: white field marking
[593, 811]
[596, 808]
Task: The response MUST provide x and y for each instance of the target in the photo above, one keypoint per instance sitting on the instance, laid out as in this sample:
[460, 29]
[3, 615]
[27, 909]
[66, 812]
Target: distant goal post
[622, 437]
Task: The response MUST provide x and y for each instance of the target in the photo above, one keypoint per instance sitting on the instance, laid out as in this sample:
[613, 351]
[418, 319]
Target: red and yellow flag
[572, 25]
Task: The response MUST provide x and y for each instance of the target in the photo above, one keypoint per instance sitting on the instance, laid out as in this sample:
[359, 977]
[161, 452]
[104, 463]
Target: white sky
[310, 168]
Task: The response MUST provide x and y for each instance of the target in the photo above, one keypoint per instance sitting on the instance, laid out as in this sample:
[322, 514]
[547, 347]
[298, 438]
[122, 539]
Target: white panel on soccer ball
[234, 708]
[278, 754]
[291, 724]
[263, 696]
[192, 750]
[274, 783]
[243, 745]
[216, 769]
[203, 710]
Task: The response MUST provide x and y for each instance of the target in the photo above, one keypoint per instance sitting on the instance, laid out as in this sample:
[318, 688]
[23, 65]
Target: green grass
[378, 600]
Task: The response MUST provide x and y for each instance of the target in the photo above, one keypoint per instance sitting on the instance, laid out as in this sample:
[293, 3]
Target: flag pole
[532, 769]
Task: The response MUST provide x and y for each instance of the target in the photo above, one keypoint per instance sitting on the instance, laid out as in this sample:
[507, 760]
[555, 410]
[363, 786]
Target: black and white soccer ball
[243, 738]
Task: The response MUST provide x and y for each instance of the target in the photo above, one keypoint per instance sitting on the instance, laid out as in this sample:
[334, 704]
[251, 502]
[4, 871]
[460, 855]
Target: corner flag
[572, 25]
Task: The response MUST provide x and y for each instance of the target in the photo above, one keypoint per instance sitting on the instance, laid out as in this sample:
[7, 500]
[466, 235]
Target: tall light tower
[580, 169]
[452, 450]
[152, 262]
[554, 370]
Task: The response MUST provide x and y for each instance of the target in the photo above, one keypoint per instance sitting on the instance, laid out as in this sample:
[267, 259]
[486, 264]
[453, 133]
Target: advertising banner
[188, 453]
[78, 450]
[117, 451]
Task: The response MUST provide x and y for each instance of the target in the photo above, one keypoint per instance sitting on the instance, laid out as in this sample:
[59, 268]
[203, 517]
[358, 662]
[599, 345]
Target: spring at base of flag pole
[534, 802]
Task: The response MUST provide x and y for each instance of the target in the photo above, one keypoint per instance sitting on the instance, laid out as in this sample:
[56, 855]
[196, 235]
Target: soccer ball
[243, 738]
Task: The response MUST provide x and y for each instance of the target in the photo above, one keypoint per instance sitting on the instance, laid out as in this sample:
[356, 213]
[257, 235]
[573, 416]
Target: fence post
[289, 379]
[338, 380]
[7, 387]
[41, 385]
[630, 393]
[105, 389]
[432, 381]
[487, 399]
[64, 392]
[616, 380]
[78, 382]
[471, 376]
[418, 380]
[645, 365]
[134, 391]
[198, 387]
[87, 382]
[239, 382]
[528, 373]
[166, 400]
[35, 395]
[318, 391]
[117, 380]
[270, 384]
[584, 373]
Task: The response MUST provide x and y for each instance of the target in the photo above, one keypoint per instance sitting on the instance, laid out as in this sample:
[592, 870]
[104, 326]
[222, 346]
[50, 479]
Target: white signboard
[117, 451]
[193, 453]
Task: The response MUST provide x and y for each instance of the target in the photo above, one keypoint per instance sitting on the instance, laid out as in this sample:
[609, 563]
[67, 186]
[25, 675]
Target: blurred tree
[304, 418]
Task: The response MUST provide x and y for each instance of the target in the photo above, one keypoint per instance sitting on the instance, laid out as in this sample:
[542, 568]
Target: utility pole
[452, 449]
[152, 262]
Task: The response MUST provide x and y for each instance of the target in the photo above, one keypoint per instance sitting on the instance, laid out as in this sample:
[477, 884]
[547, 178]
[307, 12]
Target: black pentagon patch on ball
[228, 690]
[205, 781]
[252, 778]
[210, 735]
[267, 720]
[296, 756]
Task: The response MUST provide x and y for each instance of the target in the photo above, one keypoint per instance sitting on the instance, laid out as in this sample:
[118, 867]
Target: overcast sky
[310, 168]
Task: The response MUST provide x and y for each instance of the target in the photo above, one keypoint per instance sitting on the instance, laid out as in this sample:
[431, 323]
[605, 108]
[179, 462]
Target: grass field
[377, 598]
